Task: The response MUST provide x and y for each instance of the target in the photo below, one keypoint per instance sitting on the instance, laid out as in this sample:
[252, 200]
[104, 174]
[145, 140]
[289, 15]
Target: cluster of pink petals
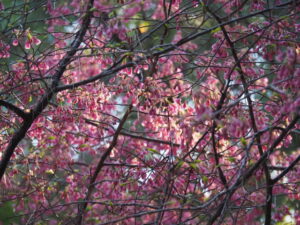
[30, 41]
[4, 50]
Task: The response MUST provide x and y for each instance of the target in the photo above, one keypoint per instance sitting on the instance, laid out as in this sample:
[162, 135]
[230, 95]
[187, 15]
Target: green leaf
[243, 141]
[193, 166]
[111, 14]
[231, 159]
[159, 49]
[219, 165]
[179, 164]
[123, 184]
[197, 161]
[128, 54]
[153, 151]
[110, 203]
[238, 69]
[50, 172]
[204, 179]
[215, 30]
[170, 202]
[83, 145]
[284, 17]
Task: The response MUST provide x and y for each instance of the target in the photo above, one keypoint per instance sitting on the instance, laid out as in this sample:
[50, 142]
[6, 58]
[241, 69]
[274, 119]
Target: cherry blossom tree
[149, 112]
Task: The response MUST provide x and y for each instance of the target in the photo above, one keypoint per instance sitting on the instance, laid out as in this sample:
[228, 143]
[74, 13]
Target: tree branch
[198, 34]
[268, 208]
[184, 40]
[43, 103]
[149, 139]
[286, 170]
[15, 109]
[100, 165]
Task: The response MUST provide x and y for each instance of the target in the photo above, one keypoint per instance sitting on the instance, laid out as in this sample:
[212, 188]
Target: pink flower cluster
[31, 40]
[4, 50]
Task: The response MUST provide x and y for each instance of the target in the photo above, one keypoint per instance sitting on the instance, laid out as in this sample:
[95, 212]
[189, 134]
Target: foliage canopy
[149, 112]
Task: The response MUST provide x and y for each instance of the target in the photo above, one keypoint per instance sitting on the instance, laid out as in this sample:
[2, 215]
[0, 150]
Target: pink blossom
[28, 44]
[15, 42]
